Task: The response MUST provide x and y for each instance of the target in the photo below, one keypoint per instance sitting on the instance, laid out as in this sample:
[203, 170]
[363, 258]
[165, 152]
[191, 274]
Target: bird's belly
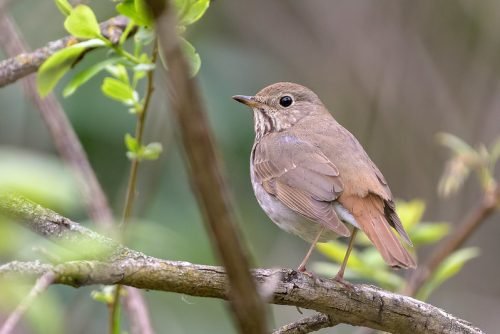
[287, 219]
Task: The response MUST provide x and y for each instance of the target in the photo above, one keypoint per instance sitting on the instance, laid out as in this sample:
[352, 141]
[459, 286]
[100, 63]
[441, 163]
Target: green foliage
[35, 176]
[82, 23]
[127, 69]
[190, 11]
[87, 74]
[447, 269]
[140, 152]
[119, 91]
[429, 233]
[54, 68]
[136, 11]
[105, 295]
[192, 56]
[366, 264]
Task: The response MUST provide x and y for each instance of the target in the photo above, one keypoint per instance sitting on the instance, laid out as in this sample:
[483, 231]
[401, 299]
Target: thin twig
[489, 203]
[206, 174]
[40, 286]
[138, 313]
[63, 135]
[132, 181]
[139, 132]
[308, 325]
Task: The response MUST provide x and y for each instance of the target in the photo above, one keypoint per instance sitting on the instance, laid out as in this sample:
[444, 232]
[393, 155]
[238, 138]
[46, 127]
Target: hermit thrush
[314, 179]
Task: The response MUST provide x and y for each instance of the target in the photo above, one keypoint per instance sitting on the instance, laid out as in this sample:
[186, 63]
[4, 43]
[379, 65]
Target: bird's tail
[369, 214]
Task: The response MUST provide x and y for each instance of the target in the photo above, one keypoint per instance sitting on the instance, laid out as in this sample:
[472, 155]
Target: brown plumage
[309, 174]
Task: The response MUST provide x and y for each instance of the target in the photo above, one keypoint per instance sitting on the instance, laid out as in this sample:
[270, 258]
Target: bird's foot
[302, 269]
[340, 279]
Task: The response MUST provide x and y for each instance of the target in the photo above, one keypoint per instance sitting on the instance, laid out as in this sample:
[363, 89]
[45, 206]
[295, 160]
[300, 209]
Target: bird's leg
[302, 266]
[340, 275]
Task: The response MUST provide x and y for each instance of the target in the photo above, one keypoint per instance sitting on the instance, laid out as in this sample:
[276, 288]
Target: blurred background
[393, 73]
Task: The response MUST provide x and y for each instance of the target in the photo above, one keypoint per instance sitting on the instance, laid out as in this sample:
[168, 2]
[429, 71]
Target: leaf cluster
[124, 69]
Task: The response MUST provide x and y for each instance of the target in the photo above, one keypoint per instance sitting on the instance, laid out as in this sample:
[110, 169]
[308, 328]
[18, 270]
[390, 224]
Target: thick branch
[17, 67]
[362, 305]
[206, 173]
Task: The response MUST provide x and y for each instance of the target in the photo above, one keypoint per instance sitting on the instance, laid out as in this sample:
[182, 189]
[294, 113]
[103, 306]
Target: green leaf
[131, 143]
[447, 269]
[136, 10]
[54, 68]
[64, 6]
[191, 11]
[87, 74]
[382, 276]
[336, 251]
[192, 56]
[118, 90]
[410, 212]
[120, 72]
[144, 12]
[82, 23]
[151, 151]
[127, 8]
[426, 233]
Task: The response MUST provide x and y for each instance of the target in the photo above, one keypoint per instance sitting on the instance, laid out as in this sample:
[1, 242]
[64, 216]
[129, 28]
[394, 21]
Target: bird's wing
[307, 182]
[360, 175]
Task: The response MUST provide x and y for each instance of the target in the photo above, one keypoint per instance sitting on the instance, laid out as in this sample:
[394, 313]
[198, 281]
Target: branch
[308, 325]
[462, 233]
[206, 173]
[363, 305]
[63, 135]
[25, 63]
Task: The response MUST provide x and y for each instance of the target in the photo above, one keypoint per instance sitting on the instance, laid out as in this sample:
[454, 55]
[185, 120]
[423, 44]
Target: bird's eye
[286, 101]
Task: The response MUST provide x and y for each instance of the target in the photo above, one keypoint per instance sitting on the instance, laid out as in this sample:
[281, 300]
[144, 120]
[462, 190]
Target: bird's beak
[246, 100]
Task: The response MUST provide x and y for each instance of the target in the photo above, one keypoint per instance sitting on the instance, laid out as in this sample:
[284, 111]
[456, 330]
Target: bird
[313, 178]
